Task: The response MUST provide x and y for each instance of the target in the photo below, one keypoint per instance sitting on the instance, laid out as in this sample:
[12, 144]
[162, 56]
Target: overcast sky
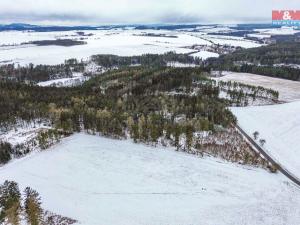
[84, 12]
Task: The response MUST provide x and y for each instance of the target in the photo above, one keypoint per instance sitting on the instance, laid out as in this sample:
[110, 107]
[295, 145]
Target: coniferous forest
[150, 103]
[279, 60]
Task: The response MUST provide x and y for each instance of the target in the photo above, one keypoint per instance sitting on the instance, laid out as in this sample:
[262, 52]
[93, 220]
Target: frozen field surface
[205, 55]
[278, 31]
[117, 42]
[100, 181]
[288, 90]
[279, 125]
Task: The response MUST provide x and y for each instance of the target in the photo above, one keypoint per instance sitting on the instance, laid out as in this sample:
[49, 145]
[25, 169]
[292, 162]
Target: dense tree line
[34, 73]
[58, 42]
[110, 61]
[263, 60]
[271, 71]
[288, 53]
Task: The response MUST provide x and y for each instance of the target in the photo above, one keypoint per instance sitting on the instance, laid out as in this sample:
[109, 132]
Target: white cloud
[140, 11]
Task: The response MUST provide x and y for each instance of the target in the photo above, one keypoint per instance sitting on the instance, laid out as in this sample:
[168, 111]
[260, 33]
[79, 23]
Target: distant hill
[38, 28]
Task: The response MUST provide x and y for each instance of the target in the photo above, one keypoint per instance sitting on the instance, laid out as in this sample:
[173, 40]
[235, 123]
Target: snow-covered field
[76, 80]
[279, 125]
[102, 181]
[205, 55]
[288, 90]
[278, 31]
[232, 41]
[227, 40]
[118, 42]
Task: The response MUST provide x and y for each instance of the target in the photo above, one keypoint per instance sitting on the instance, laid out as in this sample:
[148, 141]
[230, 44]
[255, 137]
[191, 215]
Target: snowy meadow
[97, 180]
[117, 41]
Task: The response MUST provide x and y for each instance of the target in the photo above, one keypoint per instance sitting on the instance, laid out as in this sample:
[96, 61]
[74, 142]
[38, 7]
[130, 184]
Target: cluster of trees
[271, 71]
[16, 208]
[240, 93]
[288, 53]
[34, 73]
[12, 207]
[111, 61]
[283, 72]
[155, 35]
[48, 137]
[262, 142]
[58, 42]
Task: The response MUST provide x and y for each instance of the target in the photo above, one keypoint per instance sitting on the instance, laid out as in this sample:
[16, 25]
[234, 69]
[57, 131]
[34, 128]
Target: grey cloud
[137, 11]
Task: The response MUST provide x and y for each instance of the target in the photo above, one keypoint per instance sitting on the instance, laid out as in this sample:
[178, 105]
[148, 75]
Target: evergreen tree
[189, 134]
[10, 203]
[5, 152]
[32, 207]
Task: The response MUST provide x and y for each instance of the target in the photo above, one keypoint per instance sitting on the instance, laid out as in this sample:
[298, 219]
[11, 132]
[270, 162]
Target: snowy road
[279, 125]
[267, 156]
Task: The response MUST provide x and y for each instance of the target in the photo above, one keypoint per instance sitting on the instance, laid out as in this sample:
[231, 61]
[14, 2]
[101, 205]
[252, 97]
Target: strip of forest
[276, 60]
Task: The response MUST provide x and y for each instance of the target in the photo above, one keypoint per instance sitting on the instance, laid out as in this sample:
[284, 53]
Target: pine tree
[5, 152]
[10, 203]
[33, 208]
[177, 132]
[130, 124]
[189, 133]
[142, 128]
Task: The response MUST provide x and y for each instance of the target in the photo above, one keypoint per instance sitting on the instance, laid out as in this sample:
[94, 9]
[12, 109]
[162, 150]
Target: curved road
[283, 170]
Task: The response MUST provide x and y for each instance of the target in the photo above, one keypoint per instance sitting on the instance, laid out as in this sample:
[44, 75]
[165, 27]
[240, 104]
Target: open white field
[279, 125]
[288, 90]
[205, 55]
[102, 181]
[278, 31]
[118, 42]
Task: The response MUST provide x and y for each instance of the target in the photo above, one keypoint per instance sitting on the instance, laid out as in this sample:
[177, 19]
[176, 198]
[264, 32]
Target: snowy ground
[279, 125]
[278, 31]
[76, 80]
[205, 55]
[232, 41]
[268, 33]
[118, 42]
[23, 132]
[288, 90]
[103, 181]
